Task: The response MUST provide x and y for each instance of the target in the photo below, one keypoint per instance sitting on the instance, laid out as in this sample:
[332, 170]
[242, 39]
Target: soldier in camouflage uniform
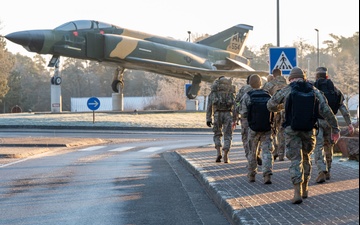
[257, 138]
[323, 152]
[272, 87]
[243, 121]
[300, 144]
[219, 113]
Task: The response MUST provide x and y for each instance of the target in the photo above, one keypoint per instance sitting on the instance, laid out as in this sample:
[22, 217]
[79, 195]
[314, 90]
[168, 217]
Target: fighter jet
[206, 60]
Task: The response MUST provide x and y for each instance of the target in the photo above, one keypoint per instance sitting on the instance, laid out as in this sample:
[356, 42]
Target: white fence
[130, 103]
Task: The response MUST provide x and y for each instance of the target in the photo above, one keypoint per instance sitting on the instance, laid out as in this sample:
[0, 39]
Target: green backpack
[224, 93]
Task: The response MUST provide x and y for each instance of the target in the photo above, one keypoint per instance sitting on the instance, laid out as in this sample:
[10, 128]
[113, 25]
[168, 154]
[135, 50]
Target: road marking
[92, 148]
[121, 149]
[151, 149]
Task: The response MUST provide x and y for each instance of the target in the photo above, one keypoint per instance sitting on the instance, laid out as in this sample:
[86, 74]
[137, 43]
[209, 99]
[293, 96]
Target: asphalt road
[137, 180]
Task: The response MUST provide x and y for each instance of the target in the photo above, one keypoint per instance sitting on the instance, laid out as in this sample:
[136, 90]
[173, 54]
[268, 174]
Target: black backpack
[259, 117]
[301, 107]
[332, 96]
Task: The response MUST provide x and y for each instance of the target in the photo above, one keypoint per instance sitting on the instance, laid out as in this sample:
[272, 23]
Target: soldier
[323, 152]
[220, 106]
[243, 121]
[253, 109]
[301, 100]
[272, 87]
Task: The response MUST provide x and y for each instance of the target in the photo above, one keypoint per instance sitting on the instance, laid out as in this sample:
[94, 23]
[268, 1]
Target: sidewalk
[334, 202]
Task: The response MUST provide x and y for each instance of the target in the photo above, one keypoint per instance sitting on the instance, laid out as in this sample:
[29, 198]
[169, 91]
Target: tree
[6, 64]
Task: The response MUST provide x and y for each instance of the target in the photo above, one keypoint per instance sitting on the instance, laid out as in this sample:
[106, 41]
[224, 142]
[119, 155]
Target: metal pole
[278, 23]
[318, 52]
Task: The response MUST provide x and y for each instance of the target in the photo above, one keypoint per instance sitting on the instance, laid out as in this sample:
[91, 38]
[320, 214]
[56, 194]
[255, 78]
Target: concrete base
[56, 100]
[117, 102]
[192, 104]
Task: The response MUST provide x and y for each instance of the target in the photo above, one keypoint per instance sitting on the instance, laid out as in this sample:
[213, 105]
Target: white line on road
[121, 149]
[151, 149]
[92, 148]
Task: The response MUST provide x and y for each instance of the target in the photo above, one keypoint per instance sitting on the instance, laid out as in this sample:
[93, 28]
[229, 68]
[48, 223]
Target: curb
[214, 194]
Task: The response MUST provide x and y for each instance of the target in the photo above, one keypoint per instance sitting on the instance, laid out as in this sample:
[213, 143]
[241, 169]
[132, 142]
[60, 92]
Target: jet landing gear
[118, 87]
[55, 80]
[56, 104]
[193, 89]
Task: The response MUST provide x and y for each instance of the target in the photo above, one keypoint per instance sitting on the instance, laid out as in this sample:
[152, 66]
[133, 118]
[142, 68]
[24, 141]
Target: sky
[298, 19]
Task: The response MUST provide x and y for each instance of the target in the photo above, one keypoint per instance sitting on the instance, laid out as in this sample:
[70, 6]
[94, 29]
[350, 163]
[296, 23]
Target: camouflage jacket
[242, 91]
[277, 102]
[274, 85]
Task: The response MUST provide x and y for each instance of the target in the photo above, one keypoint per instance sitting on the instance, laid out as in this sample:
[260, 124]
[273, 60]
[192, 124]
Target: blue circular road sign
[93, 103]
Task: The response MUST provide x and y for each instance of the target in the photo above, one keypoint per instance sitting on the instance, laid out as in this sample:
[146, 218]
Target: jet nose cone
[32, 41]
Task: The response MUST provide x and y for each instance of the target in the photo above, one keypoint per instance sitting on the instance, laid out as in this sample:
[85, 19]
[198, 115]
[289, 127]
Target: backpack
[259, 117]
[301, 107]
[224, 94]
[332, 96]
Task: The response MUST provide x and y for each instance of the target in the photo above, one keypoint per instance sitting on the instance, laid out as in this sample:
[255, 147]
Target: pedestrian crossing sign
[282, 58]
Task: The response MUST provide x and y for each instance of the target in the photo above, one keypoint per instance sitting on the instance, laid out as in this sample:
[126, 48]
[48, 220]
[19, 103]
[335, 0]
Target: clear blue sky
[298, 19]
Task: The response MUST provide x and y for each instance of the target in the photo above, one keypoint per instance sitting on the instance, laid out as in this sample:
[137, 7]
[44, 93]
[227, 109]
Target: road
[137, 179]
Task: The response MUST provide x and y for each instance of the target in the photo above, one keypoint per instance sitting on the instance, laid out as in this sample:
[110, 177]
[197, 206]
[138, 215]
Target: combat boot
[321, 178]
[297, 194]
[251, 177]
[219, 156]
[267, 179]
[305, 188]
[226, 156]
[327, 175]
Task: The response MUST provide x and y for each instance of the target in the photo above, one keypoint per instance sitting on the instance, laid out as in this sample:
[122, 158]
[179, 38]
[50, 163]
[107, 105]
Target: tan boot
[251, 177]
[219, 156]
[226, 156]
[321, 178]
[305, 188]
[267, 179]
[327, 175]
[297, 194]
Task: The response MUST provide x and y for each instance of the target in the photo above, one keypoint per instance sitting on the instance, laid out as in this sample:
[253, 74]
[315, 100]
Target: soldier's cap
[321, 70]
[297, 72]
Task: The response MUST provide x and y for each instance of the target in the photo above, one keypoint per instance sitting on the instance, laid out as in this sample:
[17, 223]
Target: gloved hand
[209, 123]
[351, 129]
[335, 137]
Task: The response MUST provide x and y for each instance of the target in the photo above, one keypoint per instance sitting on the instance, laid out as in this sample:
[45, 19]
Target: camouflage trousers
[255, 141]
[222, 127]
[244, 135]
[279, 137]
[323, 152]
[298, 148]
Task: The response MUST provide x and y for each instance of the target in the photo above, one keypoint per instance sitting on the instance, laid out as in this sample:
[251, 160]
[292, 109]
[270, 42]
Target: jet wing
[187, 72]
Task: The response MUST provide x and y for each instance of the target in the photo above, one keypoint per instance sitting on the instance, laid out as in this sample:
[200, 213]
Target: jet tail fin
[232, 39]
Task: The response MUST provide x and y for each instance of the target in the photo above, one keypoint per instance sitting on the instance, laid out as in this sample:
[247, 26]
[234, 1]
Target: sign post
[93, 104]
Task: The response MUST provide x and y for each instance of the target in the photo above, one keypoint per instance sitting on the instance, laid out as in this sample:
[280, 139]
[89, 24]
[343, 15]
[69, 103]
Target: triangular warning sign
[283, 63]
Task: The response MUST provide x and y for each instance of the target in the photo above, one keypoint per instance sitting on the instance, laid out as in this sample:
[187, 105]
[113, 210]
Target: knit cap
[255, 81]
[297, 72]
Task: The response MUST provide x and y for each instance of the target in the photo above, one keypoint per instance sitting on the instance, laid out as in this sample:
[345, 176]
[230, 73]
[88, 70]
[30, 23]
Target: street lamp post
[318, 53]
[189, 32]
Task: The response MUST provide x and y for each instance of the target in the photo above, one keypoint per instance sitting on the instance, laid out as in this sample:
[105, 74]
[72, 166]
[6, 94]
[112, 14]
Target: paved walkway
[334, 202]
